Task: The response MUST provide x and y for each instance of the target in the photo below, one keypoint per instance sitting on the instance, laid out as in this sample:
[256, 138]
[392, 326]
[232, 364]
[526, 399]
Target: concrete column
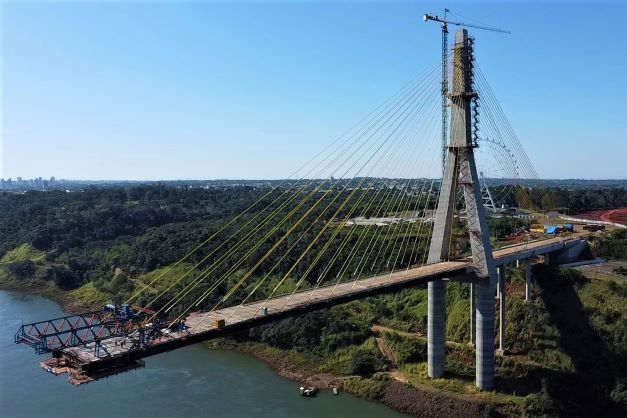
[484, 299]
[528, 281]
[460, 169]
[473, 314]
[503, 293]
[436, 328]
[517, 263]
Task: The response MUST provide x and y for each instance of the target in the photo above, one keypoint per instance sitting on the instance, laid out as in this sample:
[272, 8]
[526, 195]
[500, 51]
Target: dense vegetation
[104, 244]
[118, 240]
[569, 200]
[568, 346]
[613, 246]
[87, 235]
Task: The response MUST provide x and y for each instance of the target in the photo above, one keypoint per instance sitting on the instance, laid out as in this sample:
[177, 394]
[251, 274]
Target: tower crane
[445, 22]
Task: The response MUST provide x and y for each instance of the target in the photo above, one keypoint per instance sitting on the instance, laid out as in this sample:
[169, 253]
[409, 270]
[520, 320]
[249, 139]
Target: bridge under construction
[306, 228]
[107, 356]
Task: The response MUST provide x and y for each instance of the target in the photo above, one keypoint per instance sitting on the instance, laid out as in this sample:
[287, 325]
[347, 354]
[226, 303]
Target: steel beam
[73, 330]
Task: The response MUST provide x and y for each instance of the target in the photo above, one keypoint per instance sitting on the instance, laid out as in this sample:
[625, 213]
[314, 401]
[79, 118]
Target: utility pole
[460, 169]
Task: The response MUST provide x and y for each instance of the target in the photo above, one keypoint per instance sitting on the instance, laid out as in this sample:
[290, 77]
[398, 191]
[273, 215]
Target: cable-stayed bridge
[121, 351]
[299, 248]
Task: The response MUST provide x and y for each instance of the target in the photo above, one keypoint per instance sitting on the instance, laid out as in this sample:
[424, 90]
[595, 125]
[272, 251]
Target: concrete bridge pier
[484, 346]
[473, 314]
[548, 259]
[436, 328]
[460, 170]
[528, 280]
[502, 294]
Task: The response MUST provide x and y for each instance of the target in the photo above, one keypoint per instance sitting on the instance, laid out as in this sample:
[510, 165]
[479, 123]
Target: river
[190, 382]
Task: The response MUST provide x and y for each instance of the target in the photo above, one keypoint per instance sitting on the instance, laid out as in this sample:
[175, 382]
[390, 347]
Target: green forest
[86, 235]
[568, 345]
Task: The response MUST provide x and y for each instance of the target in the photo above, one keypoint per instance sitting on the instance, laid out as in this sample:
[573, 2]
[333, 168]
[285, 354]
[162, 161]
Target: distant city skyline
[251, 90]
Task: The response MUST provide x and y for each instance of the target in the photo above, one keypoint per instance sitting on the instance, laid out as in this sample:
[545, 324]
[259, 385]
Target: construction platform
[118, 353]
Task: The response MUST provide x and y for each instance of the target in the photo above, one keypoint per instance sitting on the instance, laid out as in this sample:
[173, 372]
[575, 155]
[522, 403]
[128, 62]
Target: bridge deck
[202, 326]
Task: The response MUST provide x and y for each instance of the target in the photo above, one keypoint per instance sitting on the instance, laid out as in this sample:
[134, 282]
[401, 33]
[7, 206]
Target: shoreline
[407, 399]
[44, 289]
[401, 397]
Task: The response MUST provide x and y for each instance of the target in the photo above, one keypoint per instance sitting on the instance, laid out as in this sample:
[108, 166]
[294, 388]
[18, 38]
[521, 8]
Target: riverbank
[381, 387]
[186, 382]
[415, 401]
[336, 347]
[65, 298]
[386, 388]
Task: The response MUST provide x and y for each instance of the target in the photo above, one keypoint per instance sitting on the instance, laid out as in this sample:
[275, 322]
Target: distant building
[22, 184]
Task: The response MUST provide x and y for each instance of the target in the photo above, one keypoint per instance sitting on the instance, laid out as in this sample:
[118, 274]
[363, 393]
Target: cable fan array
[500, 155]
[508, 160]
[360, 207]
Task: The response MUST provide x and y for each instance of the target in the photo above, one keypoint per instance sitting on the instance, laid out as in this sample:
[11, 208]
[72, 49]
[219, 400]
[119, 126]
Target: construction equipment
[89, 328]
[218, 323]
[445, 22]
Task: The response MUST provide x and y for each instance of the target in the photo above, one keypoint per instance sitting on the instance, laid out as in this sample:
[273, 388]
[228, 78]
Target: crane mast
[445, 22]
[444, 90]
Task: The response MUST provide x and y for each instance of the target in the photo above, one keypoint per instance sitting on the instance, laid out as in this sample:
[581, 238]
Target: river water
[189, 382]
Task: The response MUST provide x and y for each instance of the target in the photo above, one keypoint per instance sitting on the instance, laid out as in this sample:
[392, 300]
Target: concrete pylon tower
[460, 170]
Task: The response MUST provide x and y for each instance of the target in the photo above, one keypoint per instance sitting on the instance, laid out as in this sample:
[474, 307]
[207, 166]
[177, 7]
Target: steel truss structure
[82, 329]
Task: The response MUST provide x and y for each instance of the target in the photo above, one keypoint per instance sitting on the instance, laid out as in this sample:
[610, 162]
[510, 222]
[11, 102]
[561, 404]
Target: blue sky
[147, 90]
